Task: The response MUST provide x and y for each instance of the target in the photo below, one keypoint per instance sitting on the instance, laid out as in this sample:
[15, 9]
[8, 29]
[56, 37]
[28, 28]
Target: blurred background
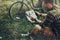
[10, 30]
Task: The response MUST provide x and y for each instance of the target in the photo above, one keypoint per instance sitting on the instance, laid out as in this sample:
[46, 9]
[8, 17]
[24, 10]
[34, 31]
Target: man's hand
[33, 19]
[41, 14]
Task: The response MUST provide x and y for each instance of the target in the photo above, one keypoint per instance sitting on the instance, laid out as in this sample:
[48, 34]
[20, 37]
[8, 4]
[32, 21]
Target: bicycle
[17, 9]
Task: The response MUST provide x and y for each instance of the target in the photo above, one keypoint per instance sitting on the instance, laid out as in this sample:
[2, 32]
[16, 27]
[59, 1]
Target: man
[52, 19]
[51, 25]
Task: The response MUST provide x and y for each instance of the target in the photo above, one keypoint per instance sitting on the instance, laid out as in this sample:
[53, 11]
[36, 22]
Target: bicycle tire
[33, 3]
[22, 4]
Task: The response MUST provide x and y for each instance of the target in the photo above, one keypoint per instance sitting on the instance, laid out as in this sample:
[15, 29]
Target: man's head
[48, 6]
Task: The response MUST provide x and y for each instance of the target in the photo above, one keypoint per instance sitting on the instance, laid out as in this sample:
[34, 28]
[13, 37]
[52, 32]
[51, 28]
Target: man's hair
[48, 6]
[49, 1]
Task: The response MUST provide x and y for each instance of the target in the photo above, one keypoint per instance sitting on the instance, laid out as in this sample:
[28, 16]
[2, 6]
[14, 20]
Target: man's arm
[41, 14]
[49, 19]
[36, 20]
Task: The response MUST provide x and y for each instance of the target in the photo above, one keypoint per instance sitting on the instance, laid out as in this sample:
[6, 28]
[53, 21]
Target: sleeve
[30, 14]
[49, 20]
[57, 22]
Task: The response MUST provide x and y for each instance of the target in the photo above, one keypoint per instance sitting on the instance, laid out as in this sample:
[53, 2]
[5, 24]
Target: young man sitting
[51, 22]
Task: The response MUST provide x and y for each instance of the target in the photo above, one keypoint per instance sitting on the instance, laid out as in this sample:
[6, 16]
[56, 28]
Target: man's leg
[34, 31]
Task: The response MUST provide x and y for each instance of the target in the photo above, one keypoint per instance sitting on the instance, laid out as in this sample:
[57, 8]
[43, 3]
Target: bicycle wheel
[34, 2]
[17, 9]
[38, 8]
